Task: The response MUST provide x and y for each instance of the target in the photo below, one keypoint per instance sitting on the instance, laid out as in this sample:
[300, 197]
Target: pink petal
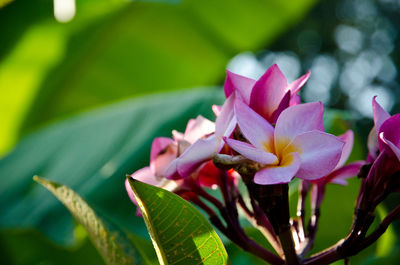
[162, 153]
[285, 102]
[240, 84]
[132, 197]
[226, 120]
[340, 175]
[252, 153]
[296, 120]
[295, 86]
[177, 136]
[146, 175]
[319, 152]
[283, 173]
[198, 128]
[254, 127]
[380, 115]
[391, 145]
[348, 139]
[199, 152]
[268, 92]
[294, 100]
[216, 109]
[172, 172]
[130, 192]
[391, 129]
[373, 146]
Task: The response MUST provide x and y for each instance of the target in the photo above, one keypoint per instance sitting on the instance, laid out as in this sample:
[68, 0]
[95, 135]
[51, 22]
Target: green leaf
[113, 245]
[180, 233]
[90, 153]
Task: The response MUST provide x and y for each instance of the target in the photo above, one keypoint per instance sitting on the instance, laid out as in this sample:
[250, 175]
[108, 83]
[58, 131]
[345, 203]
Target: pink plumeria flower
[205, 148]
[389, 135]
[384, 154]
[269, 95]
[296, 147]
[165, 150]
[384, 140]
[386, 132]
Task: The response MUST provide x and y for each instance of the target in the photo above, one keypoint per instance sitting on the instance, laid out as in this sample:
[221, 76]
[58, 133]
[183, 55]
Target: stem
[208, 197]
[203, 206]
[234, 231]
[303, 190]
[286, 239]
[312, 229]
[392, 216]
[285, 233]
[319, 192]
[244, 207]
[237, 235]
[346, 248]
[274, 202]
[327, 256]
[261, 221]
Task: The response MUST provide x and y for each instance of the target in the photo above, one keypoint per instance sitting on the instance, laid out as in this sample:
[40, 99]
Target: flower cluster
[264, 136]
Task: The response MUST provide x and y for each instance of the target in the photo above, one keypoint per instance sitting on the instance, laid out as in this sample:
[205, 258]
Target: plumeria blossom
[385, 136]
[205, 148]
[384, 154]
[296, 147]
[269, 95]
[165, 150]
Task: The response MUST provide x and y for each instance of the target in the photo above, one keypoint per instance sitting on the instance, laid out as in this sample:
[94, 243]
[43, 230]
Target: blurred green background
[86, 86]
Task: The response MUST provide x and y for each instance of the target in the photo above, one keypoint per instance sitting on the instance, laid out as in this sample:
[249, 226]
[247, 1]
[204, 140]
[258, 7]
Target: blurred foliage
[114, 49]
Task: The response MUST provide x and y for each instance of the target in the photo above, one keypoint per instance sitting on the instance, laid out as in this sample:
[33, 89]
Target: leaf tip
[38, 179]
[131, 180]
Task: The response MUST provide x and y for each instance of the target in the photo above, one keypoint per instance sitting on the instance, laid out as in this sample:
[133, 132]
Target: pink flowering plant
[263, 139]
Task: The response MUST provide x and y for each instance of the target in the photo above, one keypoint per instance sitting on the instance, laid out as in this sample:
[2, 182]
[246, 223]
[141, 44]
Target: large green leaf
[113, 49]
[92, 153]
[114, 246]
[182, 45]
[180, 233]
